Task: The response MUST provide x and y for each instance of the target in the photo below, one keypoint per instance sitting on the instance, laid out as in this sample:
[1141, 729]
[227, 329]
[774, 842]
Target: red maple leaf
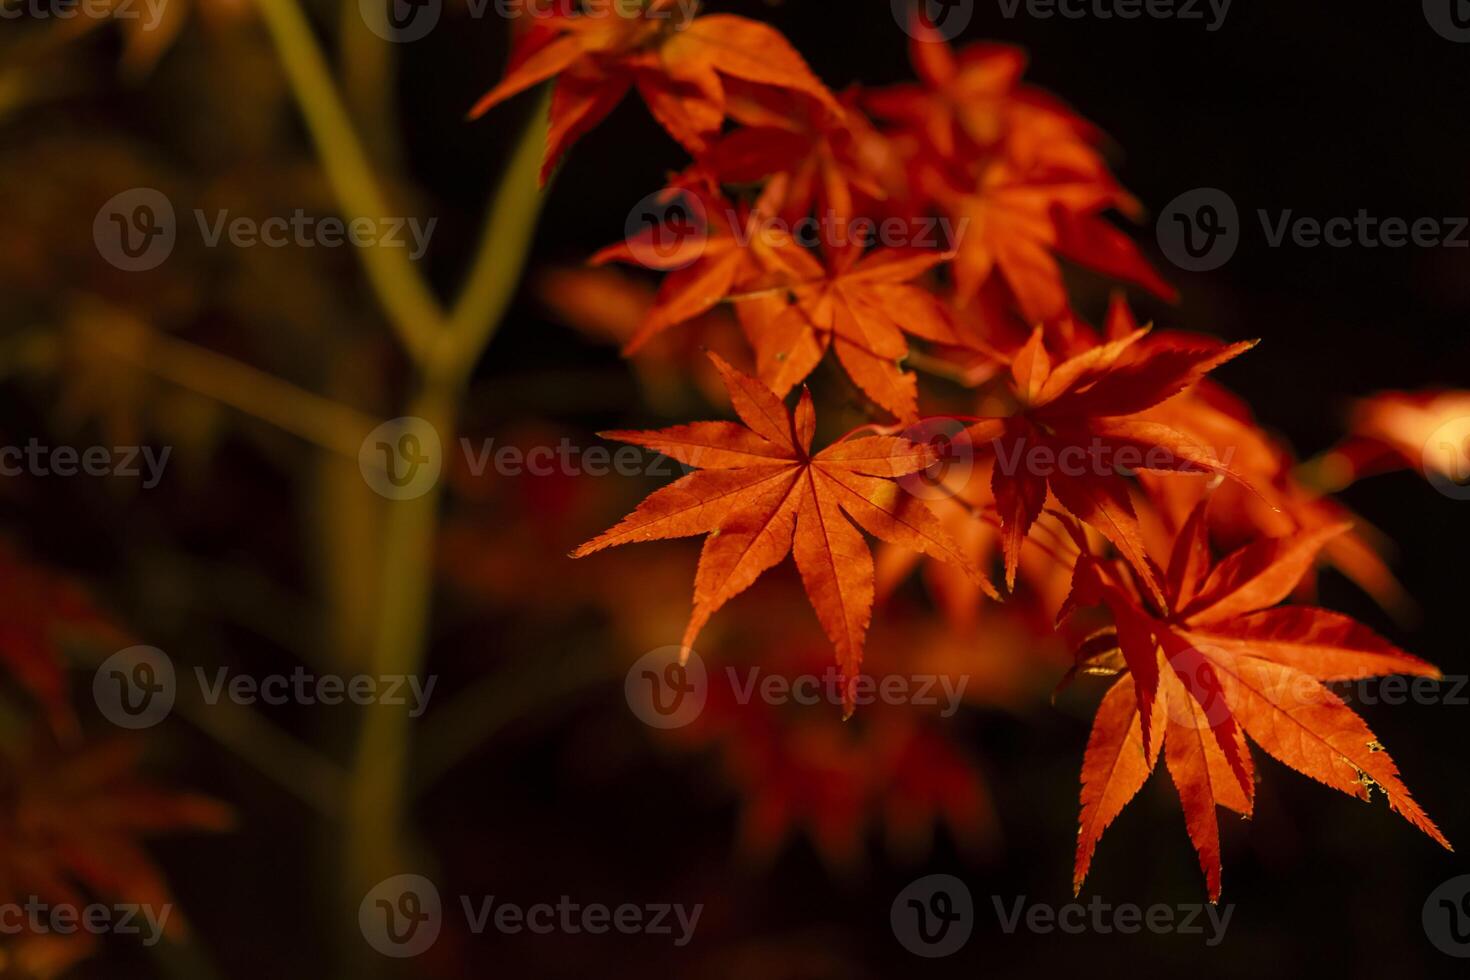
[677, 63]
[1214, 662]
[822, 163]
[860, 306]
[1016, 171]
[75, 819]
[760, 493]
[1077, 423]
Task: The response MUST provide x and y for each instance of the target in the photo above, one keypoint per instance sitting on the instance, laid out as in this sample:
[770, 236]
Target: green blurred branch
[496, 701]
[368, 73]
[445, 350]
[295, 767]
[501, 255]
[331, 425]
[406, 299]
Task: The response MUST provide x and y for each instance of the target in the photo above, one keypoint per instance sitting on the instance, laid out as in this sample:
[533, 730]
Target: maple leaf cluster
[74, 811]
[1103, 470]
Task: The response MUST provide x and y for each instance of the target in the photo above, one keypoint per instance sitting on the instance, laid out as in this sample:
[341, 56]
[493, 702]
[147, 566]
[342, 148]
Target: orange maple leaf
[1075, 423]
[676, 62]
[760, 493]
[860, 305]
[1215, 662]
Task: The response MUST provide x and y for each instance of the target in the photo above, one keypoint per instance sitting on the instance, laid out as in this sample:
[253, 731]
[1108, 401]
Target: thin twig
[320, 421]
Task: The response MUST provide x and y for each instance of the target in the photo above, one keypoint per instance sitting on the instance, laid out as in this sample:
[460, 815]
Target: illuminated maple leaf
[678, 64]
[760, 494]
[1218, 660]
